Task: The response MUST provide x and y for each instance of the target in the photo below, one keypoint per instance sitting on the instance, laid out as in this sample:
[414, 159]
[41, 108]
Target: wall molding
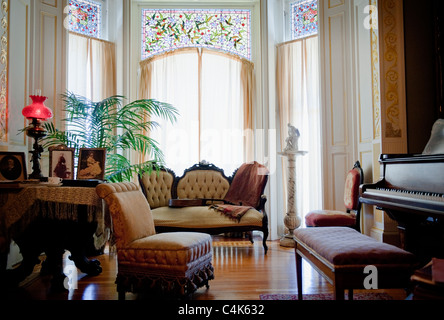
[4, 70]
[393, 100]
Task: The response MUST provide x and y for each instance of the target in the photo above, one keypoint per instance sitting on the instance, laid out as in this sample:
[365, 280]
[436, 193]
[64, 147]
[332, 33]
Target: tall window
[299, 101]
[212, 89]
[91, 60]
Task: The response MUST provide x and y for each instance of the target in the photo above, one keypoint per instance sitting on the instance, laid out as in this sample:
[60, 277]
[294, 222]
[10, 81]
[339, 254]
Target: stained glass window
[304, 18]
[168, 29]
[84, 17]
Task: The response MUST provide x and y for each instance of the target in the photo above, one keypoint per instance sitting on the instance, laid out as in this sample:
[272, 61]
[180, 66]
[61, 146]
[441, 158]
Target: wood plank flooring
[242, 272]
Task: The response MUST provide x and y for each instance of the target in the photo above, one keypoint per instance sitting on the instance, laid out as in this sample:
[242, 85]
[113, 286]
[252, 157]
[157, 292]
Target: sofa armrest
[262, 203]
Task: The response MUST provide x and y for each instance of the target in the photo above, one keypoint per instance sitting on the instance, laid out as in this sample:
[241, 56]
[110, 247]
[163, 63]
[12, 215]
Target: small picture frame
[61, 162]
[13, 166]
[91, 164]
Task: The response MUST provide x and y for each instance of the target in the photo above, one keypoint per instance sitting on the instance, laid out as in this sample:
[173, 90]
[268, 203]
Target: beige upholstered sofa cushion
[158, 186]
[202, 217]
[202, 184]
[130, 211]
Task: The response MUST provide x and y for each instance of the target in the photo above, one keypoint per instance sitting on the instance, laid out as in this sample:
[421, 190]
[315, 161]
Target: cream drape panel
[299, 105]
[213, 92]
[248, 84]
[173, 78]
[91, 67]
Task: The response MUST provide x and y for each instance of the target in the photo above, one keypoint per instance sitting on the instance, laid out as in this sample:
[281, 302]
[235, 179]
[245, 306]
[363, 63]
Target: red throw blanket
[234, 212]
[245, 190]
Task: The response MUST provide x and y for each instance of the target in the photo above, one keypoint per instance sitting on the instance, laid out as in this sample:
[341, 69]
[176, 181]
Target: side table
[51, 219]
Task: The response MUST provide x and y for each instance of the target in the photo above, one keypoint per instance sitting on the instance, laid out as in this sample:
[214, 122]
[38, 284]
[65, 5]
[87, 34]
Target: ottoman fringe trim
[164, 285]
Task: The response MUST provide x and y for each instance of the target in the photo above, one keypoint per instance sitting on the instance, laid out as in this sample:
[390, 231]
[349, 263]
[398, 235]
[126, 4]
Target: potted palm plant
[116, 126]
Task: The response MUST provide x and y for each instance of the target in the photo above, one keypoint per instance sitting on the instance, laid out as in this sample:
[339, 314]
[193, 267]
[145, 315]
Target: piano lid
[423, 173]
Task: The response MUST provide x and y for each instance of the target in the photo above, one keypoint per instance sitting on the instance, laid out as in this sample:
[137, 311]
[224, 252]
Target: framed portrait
[13, 166]
[61, 162]
[91, 164]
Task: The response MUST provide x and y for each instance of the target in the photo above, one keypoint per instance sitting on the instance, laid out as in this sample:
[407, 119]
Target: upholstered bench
[340, 255]
[171, 264]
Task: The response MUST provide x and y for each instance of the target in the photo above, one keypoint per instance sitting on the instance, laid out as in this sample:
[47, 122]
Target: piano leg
[425, 239]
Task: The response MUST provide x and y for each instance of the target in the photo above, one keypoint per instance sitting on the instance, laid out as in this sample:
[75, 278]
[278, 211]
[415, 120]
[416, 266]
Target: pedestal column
[292, 220]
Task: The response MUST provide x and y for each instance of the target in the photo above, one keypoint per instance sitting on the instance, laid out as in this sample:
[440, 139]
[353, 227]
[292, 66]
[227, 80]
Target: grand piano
[411, 191]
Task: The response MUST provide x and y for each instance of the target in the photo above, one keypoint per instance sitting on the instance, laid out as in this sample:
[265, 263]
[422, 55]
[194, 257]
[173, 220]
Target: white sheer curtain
[173, 78]
[222, 112]
[299, 104]
[210, 91]
[91, 67]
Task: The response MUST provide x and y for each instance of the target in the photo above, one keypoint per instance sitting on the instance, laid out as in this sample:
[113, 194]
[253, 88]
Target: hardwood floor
[242, 272]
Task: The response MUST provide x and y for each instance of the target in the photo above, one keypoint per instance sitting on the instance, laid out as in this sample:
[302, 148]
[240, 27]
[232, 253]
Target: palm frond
[116, 126]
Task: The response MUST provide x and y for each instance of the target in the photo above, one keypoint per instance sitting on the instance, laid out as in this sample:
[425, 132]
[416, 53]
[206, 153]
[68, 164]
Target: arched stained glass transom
[304, 18]
[228, 30]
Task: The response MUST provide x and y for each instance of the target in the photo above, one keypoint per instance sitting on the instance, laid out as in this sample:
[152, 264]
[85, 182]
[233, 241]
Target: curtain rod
[212, 51]
[296, 40]
[84, 36]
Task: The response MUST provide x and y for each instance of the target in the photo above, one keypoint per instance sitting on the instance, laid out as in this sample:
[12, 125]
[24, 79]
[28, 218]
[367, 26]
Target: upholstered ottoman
[341, 254]
[166, 265]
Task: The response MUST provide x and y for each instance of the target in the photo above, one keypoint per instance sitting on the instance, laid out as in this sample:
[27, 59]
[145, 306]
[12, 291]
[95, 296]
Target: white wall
[20, 58]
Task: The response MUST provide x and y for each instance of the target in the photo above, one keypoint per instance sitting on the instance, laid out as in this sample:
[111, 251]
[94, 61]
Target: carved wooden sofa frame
[201, 181]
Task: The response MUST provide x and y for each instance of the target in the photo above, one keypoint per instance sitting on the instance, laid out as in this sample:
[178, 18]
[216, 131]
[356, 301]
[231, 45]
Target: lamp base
[37, 176]
[36, 168]
[37, 132]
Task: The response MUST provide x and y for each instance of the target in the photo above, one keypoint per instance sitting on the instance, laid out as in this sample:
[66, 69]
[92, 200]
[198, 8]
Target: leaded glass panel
[84, 17]
[169, 29]
[304, 18]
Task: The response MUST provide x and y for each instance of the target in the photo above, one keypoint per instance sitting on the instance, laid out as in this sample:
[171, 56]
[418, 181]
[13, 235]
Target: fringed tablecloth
[58, 203]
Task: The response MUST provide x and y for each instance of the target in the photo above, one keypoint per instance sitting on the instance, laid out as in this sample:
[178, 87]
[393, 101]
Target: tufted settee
[205, 189]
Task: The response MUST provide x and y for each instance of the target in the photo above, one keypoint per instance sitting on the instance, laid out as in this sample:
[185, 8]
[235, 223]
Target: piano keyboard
[403, 200]
[425, 197]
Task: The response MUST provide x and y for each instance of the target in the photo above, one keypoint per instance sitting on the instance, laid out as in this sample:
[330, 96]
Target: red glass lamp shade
[37, 110]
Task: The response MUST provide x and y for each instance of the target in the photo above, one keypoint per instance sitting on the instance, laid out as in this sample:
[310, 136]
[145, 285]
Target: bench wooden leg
[299, 274]
[339, 293]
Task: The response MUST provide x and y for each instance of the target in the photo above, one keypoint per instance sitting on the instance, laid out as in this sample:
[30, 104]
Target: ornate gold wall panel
[393, 106]
[4, 37]
[375, 79]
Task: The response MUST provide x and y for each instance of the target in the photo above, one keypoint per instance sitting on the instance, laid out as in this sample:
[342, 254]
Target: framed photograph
[91, 164]
[61, 162]
[13, 166]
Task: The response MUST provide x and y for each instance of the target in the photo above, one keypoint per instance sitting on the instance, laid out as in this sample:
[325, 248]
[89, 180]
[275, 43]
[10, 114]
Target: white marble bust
[292, 140]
